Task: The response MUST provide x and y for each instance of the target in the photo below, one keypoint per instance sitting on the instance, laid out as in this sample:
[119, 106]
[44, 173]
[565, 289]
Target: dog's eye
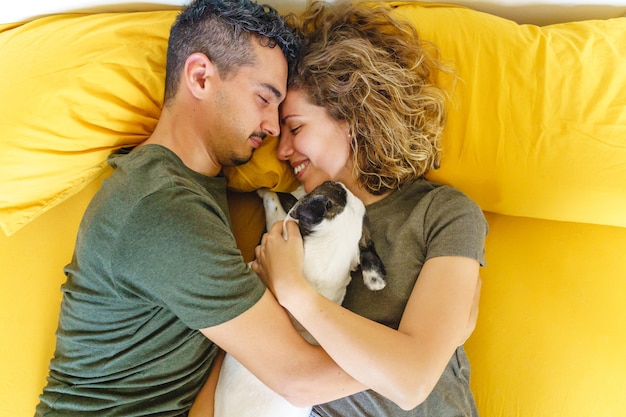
[329, 205]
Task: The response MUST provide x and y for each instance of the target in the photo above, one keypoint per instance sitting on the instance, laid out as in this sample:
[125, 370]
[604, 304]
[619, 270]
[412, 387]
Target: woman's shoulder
[443, 193]
[439, 203]
[423, 199]
[429, 192]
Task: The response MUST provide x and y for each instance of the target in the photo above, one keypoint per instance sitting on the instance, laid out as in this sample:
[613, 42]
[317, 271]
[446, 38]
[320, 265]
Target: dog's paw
[270, 199]
[271, 203]
[373, 280]
[372, 269]
[273, 209]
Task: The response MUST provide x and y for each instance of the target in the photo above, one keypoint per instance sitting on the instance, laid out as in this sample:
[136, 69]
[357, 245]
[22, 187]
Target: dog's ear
[372, 267]
[287, 200]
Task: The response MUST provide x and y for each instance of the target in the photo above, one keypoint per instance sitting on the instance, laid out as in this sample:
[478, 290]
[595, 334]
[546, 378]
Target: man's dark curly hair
[222, 29]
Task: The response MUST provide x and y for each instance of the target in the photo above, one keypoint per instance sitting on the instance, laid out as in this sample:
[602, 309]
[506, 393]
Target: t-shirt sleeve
[454, 226]
[178, 252]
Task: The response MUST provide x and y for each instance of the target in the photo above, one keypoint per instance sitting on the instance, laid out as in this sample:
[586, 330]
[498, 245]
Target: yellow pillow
[264, 170]
[537, 122]
[536, 127]
[75, 88]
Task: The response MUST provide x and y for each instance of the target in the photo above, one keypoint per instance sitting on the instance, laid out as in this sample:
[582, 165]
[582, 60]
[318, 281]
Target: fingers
[274, 248]
[254, 265]
[257, 268]
[277, 229]
[259, 252]
[291, 229]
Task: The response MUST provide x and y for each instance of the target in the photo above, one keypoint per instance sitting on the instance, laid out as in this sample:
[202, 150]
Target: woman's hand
[279, 260]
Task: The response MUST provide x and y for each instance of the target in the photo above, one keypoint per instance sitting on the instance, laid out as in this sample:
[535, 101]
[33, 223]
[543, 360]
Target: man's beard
[234, 159]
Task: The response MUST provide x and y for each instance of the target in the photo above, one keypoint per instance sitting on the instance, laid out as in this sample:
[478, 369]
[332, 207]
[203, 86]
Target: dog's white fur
[331, 252]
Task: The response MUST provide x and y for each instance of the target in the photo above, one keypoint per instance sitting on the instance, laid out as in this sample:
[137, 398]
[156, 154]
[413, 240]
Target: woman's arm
[402, 365]
[264, 340]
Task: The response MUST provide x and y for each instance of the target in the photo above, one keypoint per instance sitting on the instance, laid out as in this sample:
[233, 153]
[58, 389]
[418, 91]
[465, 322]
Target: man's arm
[203, 405]
[264, 340]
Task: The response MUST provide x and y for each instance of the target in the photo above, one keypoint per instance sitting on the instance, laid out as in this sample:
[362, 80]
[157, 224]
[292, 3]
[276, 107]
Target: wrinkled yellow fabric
[537, 122]
[552, 325]
[74, 89]
[529, 103]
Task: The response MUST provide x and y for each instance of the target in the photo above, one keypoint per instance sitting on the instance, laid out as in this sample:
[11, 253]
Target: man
[156, 282]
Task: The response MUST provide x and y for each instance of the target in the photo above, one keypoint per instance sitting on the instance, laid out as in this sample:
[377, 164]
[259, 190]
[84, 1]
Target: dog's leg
[274, 209]
[274, 212]
[372, 268]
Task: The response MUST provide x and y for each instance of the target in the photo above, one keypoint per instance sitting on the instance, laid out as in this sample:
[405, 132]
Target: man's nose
[270, 125]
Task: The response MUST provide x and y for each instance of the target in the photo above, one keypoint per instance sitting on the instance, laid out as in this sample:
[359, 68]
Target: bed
[536, 136]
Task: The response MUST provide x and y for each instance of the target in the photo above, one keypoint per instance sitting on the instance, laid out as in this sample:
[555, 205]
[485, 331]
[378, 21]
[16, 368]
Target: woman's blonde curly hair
[373, 71]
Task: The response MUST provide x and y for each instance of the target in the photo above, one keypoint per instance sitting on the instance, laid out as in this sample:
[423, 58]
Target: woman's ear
[345, 127]
[199, 74]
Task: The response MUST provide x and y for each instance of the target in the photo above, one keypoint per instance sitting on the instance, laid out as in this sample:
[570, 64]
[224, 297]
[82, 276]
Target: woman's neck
[365, 196]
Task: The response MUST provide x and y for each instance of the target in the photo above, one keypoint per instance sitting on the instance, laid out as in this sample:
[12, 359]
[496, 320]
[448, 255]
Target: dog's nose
[311, 210]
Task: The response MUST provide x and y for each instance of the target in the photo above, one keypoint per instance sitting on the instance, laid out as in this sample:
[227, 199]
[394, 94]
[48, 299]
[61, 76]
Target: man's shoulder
[155, 169]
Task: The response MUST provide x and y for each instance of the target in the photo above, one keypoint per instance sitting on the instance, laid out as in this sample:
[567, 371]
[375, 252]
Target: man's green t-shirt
[155, 260]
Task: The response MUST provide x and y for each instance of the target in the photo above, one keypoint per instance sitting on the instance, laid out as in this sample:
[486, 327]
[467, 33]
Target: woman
[362, 108]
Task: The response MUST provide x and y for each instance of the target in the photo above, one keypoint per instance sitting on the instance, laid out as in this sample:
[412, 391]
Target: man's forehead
[273, 64]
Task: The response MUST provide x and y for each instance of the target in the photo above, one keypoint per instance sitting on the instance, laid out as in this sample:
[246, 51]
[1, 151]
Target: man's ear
[199, 74]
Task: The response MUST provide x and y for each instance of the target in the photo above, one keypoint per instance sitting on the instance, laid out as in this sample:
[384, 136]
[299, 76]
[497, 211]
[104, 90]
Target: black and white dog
[335, 231]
